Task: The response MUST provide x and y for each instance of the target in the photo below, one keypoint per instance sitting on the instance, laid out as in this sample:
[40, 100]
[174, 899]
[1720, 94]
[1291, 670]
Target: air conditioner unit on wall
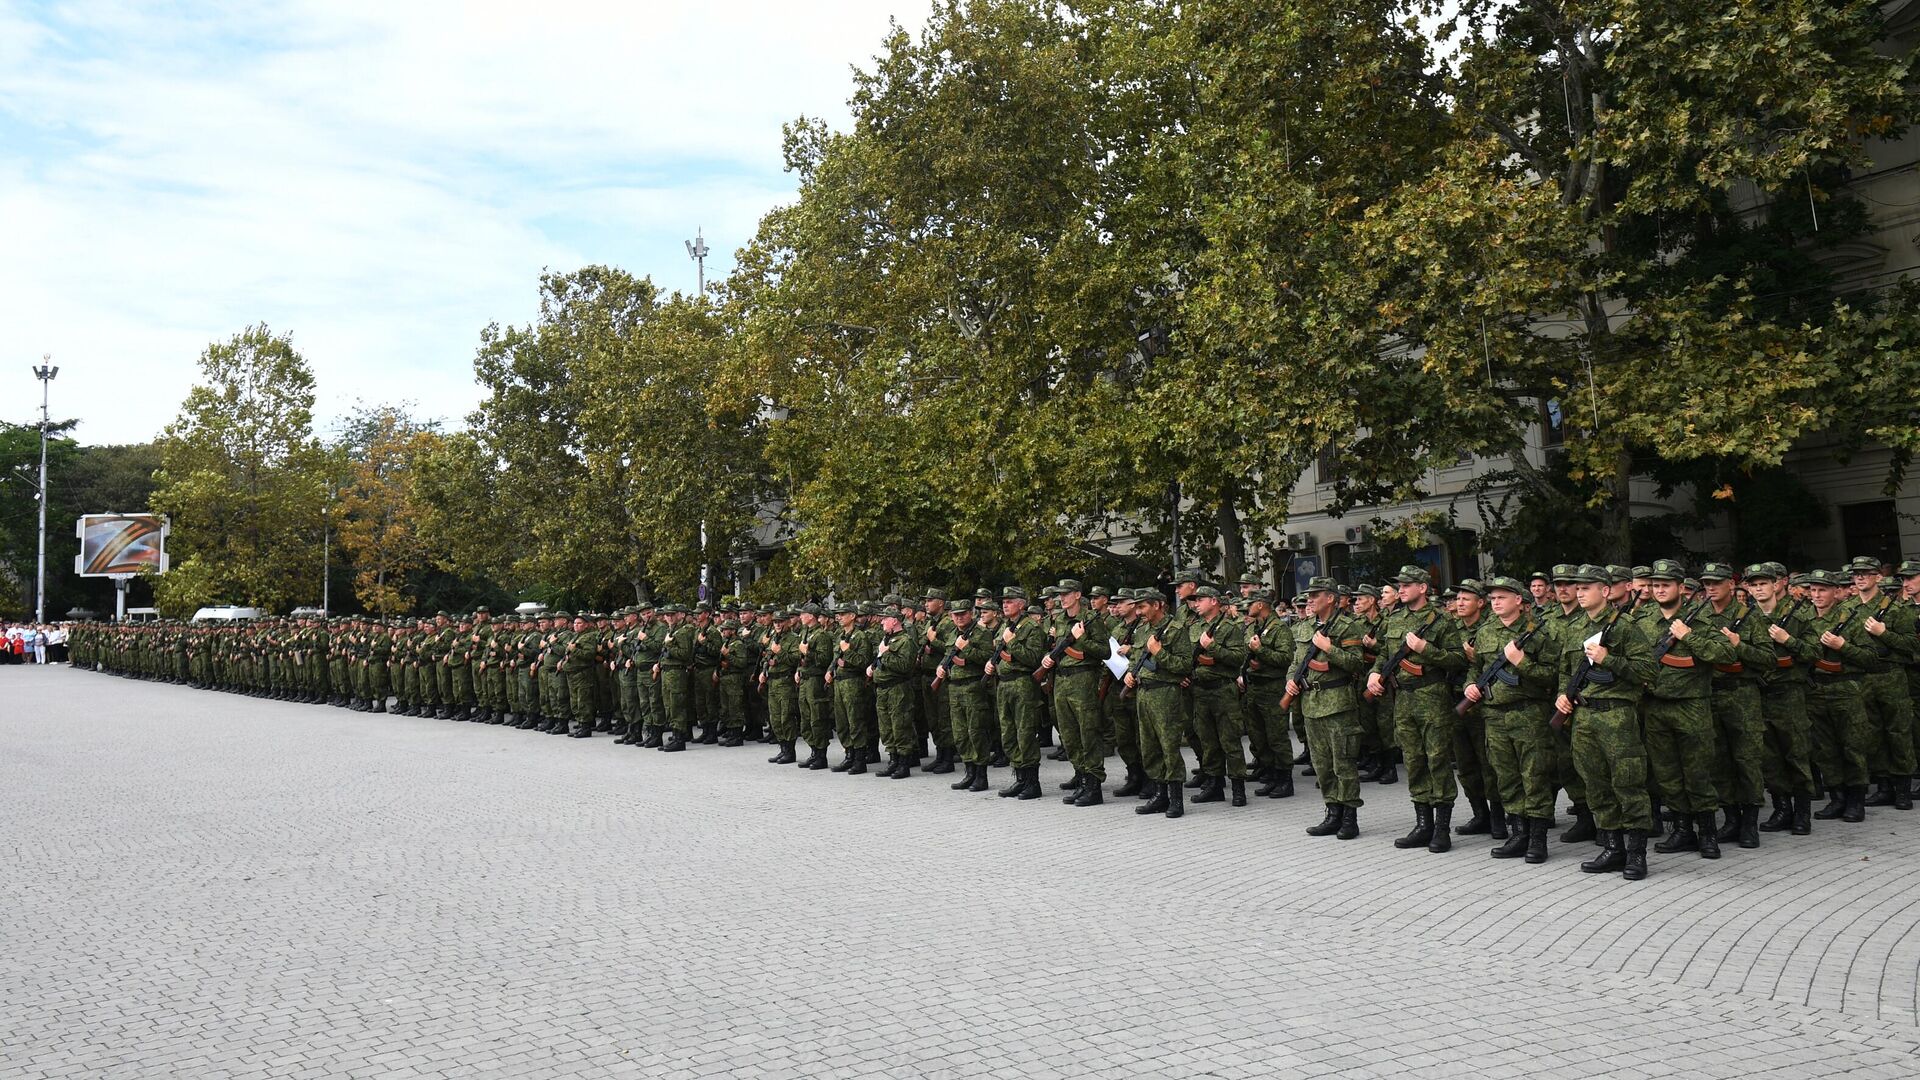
[1299, 541]
[1359, 534]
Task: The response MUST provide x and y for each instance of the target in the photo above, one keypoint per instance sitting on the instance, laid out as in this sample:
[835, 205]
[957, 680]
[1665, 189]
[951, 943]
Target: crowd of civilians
[33, 643]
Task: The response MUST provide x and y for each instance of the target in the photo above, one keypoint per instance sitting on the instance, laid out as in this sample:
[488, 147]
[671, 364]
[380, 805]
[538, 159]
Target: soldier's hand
[1515, 655]
[1321, 641]
[1473, 692]
[940, 673]
[1375, 684]
[869, 671]
[1253, 641]
[1131, 681]
[1875, 626]
[1368, 641]
[1079, 630]
[1206, 640]
[1047, 662]
[1472, 653]
[1416, 642]
[845, 644]
[959, 644]
[988, 670]
[1679, 630]
[1832, 640]
[1126, 649]
[1563, 705]
[1597, 653]
[1153, 646]
[1731, 637]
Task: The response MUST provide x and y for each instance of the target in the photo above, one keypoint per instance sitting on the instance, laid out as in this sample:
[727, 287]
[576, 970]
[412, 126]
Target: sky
[380, 179]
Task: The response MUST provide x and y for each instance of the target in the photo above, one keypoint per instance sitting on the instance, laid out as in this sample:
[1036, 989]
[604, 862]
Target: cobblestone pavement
[206, 886]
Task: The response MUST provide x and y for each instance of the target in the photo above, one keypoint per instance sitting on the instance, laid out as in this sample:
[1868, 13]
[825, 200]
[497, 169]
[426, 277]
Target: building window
[1553, 424]
[1340, 563]
[1327, 467]
[1871, 528]
[1463, 555]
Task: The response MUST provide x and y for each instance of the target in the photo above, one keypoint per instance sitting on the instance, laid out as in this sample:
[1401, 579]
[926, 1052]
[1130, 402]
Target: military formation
[1664, 704]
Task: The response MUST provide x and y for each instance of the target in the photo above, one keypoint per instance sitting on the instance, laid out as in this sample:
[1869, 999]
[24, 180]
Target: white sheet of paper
[1594, 640]
[1115, 662]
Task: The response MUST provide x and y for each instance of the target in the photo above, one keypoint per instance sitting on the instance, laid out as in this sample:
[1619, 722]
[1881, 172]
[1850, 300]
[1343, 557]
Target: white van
[228, 614]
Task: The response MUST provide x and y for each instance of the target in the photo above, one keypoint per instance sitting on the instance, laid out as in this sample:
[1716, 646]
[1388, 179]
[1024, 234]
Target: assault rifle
[1299, 676]
[940, 670]
[1495, 669]
[1583, 673]
[1055, 654]
[1667, 639]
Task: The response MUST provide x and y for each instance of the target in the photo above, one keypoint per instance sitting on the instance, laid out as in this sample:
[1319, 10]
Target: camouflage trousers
[1788, 762]
[783, 708]
[1843, 735]
[969, 720]
[853, 719]
[1216, 726]
[1522, 756]
[1891, 710]
[628, 681]
[1076, 708]
[1163, 720]
[1018, 706]
[1680, 751]
[1613, 765]
[731, 696]
[1335, 742]
[816, 712]
[1470, 755]
[935, 716]
[894, 706]
[676, 693]
[1423, 722]
[1740, 738]
[1123, 726]
[1264, 715]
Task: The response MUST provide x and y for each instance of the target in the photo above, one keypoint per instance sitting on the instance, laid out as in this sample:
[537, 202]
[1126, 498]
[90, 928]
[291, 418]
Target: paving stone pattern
[200, 885]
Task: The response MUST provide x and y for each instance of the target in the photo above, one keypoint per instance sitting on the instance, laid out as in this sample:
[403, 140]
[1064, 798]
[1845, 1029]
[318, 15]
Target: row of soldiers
[1654, 699]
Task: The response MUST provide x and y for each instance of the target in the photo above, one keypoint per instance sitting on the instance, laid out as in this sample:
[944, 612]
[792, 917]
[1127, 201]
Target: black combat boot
[1349, 823]
[1882, 793]
[1019, 783]
[1239, 791]
[1749, 826]
[859, 759]
[1422, 833]
[1635, 867]
[1176, 805]
[1390, 774]
[1032, 788]
[1709, 840]
[1682, 838]
[1213, 790]
[1903, 793]
[1369, 768]
[732, 738]
[619, 731]
[979, 779]
[1612, 856]
[1537, 840]
[1582, 830]
[1072, 783]
[1517, 838]
[1282, 785]
[786, 756]
[1157, 803]
[1329, 824]
[1442, 841]
[816, 760]
[1497, 819]
[1802, 815]
[1729, 832]
[965, 781]
[904, 769]
[848, 755]
[1836, 805]
[1059, 753]
[942, 763]
[1197, 781]
[1305, 758]
[652, 740]
[999, 759]
[673, 743]
[1480, 823]
[1855, 810]
[1782, 816]
[1136, 779]
[710, 735]
[1088, 795]
[380, 706]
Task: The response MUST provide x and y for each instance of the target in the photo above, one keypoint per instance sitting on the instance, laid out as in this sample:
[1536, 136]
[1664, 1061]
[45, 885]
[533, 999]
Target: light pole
[45, 373]
[697, 251]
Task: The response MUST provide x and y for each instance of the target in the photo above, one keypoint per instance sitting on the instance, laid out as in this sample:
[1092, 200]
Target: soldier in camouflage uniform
[1159, 659]
[1328, 660]
[1739, 726]
[1511, 682]
[1419, 645]
[1606, 663]
[1019, 646]
[1889, 622]
[1219, 651]
[1269, 651]
[1076, 661]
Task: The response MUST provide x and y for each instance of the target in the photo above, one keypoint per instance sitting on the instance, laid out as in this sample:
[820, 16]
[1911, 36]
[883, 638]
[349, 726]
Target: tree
[243, 480]
[378, 510]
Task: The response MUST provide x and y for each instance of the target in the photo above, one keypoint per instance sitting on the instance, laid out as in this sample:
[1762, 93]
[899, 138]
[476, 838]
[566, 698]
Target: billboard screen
[121, 544]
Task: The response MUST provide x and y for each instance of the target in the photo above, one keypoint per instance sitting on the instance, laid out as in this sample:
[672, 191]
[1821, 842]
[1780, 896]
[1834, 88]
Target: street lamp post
[697, 251]
[45, 373]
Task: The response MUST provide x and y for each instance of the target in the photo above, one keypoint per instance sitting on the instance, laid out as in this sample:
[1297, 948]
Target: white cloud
[380, 179]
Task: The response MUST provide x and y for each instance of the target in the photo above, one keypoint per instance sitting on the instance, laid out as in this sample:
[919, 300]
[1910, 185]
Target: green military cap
[1412, 575]
[642, 608]
[558, 615]
[936, 594]
[1448, 594]
[703, 605]
[985, 594]
[1259, 596]
[1909, 568]
[868, 607]
[1048, 592]
[1540, 575]
[1797, 579]
[1207, 591]
[1619, 575]
[892, 598]
[1474, 586]
[1149, 596]
[1760, 571]
[1013, 592]
[1563, 573]
[1187, 577]
[1584, 574]
[1506, 584]
[1692, 584]
[1863, 564]
[1666, 570]
[1642, 571]
[441, 615]
[812, 609]
[1246, 579]
[1099, 590]
[481, 611]
[890, 613]
[1322, 584]
[1367, 590]
[1827, 578]
[1068, 585]
[1716, 571]
[1344, 589]
[963, 604]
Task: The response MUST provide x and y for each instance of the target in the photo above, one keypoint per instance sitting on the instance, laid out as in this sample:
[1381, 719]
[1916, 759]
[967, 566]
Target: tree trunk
[1616, 516]
[1233, 543]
